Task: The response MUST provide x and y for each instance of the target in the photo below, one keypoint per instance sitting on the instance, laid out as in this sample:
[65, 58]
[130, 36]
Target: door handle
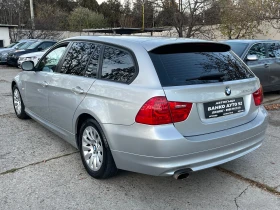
[77, 90]
[266, 65]
[45, 84]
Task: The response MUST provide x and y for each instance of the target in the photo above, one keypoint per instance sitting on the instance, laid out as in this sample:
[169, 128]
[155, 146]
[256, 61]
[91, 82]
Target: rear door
[261, 67]
[72, 81]
[217, 83]
[274, 55]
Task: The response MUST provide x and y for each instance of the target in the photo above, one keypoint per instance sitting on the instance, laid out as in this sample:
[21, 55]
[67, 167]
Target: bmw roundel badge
[228, 91]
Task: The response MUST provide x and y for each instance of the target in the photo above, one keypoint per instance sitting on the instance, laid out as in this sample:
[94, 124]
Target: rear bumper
[162, 150]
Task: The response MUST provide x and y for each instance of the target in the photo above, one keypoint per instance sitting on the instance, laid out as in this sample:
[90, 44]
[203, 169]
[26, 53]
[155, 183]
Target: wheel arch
[79, 121]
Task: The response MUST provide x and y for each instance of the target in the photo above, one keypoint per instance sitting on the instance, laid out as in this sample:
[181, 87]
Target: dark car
[35, 46]
[263, 58]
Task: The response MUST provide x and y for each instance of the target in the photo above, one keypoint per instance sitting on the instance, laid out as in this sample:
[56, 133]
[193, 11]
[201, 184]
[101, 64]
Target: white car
[34, 57]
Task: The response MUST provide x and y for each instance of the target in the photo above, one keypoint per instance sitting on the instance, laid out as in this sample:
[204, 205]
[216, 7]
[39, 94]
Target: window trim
[52, 49]
[132, 55]
[59, 66]
[267, 43]
[103, 43]
[250, 47]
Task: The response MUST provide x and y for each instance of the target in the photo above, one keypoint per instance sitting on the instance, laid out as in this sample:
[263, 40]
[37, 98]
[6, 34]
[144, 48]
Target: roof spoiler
[191, 47]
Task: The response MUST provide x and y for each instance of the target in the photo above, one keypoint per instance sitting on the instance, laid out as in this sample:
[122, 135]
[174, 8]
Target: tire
[18, 104]
[95, 152]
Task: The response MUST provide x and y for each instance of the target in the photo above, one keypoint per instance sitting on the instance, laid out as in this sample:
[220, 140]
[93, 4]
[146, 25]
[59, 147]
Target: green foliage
[240, 19]
[90, 4]
[83, 18]
[111, 10]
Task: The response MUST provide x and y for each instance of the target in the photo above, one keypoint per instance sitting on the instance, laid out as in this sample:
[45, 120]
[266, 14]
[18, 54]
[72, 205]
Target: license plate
[223, 107]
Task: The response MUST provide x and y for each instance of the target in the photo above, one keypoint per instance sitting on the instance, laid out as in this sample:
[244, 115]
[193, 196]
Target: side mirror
[252, 58]
[40, 48]
[27, 66]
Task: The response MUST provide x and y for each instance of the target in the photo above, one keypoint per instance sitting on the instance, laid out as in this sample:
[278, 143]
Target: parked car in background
[33, 57]
[158, 106]
[36, 46]
[263, 58]
[18, 47]
[10, 45]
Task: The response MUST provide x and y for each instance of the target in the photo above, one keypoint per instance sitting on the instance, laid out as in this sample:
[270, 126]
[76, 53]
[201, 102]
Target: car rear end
[209, 112]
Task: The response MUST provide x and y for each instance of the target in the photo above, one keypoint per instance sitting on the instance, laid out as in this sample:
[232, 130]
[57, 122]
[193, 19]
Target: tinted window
[117, 65]
[77, 58]
[33, 45]
[92, 67]
[194, 68]
[50, 61]
[18, 45]
[45, 45]
[259, 50]
[238, 48]
[273, 50]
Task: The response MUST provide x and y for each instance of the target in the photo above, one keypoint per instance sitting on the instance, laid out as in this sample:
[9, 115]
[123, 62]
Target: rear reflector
[258, 96]
[158, 111]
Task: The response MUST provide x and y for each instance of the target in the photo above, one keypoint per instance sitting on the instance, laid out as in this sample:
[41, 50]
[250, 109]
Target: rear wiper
[214, 76]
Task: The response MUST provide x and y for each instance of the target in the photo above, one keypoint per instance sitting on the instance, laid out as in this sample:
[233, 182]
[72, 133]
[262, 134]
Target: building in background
[4, 34]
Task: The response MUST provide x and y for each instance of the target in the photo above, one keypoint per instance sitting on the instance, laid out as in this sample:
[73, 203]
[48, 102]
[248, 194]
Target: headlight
[4, 54]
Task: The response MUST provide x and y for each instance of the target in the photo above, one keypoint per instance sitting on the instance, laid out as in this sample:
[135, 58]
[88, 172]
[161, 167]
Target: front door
[262, 65]
[71, 82]
[36, 83]
[274, 55]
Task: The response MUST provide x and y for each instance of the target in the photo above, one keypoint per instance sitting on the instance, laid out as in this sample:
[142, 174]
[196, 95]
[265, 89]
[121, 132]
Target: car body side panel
[63, 101]
[36, 92]
[274, 76]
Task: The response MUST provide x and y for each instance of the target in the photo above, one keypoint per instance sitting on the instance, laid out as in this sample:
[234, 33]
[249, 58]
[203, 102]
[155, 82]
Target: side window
[273, 50]
[92, 67]
[259, 50]
[117, 65]
[50, 61]
[77, 58]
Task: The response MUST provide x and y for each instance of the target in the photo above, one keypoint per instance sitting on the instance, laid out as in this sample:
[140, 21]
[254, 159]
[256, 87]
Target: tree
[83, 18]
[240, 19]
[126, 19]
[187, 17]
[111, 10]
[271, 12]
[90, 4]
[137, 12]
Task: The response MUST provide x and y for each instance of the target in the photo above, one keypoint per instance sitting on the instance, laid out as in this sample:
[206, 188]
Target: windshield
[11, 45]
[34, 45]
[238, 48]
[25, 46]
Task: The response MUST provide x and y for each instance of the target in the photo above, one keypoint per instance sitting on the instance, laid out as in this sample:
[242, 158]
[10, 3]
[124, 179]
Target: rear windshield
[238, 48]
[192, 68]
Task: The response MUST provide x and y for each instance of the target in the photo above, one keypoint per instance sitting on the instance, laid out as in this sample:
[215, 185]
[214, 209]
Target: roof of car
[148, 43]
[250, 40]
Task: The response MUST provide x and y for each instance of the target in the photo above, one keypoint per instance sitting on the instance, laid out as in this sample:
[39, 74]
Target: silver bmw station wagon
[158, 106]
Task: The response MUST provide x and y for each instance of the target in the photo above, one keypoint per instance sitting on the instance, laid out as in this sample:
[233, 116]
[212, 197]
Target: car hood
[6, 50]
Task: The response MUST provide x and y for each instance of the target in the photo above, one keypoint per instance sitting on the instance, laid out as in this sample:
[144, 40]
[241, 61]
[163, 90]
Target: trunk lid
[217, 82]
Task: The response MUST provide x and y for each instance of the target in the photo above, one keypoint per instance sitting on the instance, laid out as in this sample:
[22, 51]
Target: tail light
[258, 96]
[158, 111]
